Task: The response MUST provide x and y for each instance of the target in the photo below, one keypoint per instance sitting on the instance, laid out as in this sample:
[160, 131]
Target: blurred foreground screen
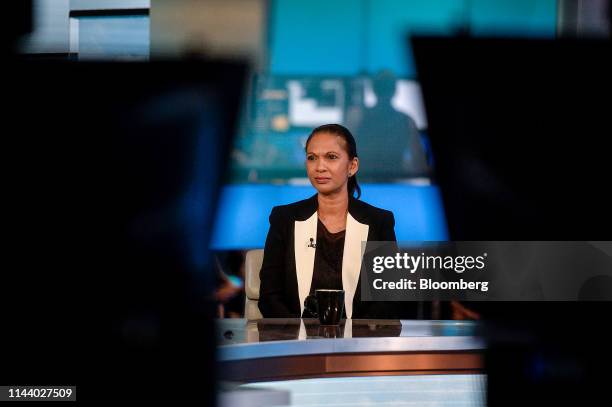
[520, 130]
[113, 175]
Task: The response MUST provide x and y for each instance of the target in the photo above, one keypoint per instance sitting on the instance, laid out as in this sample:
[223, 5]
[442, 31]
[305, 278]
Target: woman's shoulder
[300, 210]
[364, 212]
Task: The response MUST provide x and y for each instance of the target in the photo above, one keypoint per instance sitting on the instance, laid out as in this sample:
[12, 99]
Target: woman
[316, 243]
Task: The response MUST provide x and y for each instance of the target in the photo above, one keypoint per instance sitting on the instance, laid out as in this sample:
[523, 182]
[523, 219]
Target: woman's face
[328, 164]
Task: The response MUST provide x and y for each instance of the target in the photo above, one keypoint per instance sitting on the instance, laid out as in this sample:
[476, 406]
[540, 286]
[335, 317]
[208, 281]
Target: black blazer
[286, 272]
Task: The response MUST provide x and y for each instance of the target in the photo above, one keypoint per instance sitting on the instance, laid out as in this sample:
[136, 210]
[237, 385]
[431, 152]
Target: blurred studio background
[140, 134]
[312, 62]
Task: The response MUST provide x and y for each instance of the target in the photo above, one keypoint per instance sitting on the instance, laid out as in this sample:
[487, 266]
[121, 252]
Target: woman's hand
[460, 312]
[227, 290]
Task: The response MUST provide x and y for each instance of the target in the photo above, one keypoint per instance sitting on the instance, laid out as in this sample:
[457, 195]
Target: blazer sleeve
[387, 229]
[272, 301]
[384, 309]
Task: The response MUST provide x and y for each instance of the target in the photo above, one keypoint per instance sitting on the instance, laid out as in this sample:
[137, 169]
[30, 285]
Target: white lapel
[304, 255]
[351, 260]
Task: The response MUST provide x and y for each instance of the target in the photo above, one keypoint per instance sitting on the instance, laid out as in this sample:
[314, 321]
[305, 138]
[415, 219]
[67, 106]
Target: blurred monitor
[114, 177]
[384, 113]
[519, 131]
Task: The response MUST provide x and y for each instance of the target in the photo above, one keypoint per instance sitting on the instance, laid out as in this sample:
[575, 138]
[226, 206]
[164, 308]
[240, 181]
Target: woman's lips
[322, 180]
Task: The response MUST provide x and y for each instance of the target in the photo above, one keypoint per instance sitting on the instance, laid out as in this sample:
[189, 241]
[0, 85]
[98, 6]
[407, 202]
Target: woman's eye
[310, 157]
[332, 156]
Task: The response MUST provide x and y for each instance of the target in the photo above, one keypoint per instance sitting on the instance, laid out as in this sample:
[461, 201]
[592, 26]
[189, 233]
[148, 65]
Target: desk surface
[415, 390]
[239, 339]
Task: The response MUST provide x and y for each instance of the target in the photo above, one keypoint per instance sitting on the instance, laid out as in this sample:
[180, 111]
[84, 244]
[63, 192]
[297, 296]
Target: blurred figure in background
[389, 140]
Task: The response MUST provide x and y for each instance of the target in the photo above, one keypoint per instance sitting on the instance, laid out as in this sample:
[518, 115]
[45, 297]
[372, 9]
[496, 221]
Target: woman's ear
[354, 166]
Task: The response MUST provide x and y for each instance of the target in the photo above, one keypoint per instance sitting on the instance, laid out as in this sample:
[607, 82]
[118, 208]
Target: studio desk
[282, 349]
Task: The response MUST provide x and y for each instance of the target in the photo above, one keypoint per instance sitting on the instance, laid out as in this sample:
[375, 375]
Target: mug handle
[311, 307]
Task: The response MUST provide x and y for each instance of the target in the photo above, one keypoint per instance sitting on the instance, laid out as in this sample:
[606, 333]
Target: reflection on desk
[238, 331]
[287, 329]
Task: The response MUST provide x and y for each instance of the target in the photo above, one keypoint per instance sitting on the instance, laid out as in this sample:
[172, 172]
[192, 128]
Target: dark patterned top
[327, 273]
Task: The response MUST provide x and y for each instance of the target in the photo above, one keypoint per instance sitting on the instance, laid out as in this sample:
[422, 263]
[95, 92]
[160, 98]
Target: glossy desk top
[239, 339]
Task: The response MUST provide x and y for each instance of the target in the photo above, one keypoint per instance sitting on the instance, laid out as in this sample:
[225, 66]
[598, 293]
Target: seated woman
[316, 243]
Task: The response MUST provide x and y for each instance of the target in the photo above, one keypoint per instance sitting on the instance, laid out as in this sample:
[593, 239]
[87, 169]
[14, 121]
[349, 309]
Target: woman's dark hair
[351, 149]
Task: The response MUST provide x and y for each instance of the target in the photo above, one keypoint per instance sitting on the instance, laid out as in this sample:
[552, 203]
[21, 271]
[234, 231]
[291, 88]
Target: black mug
[327, 305]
